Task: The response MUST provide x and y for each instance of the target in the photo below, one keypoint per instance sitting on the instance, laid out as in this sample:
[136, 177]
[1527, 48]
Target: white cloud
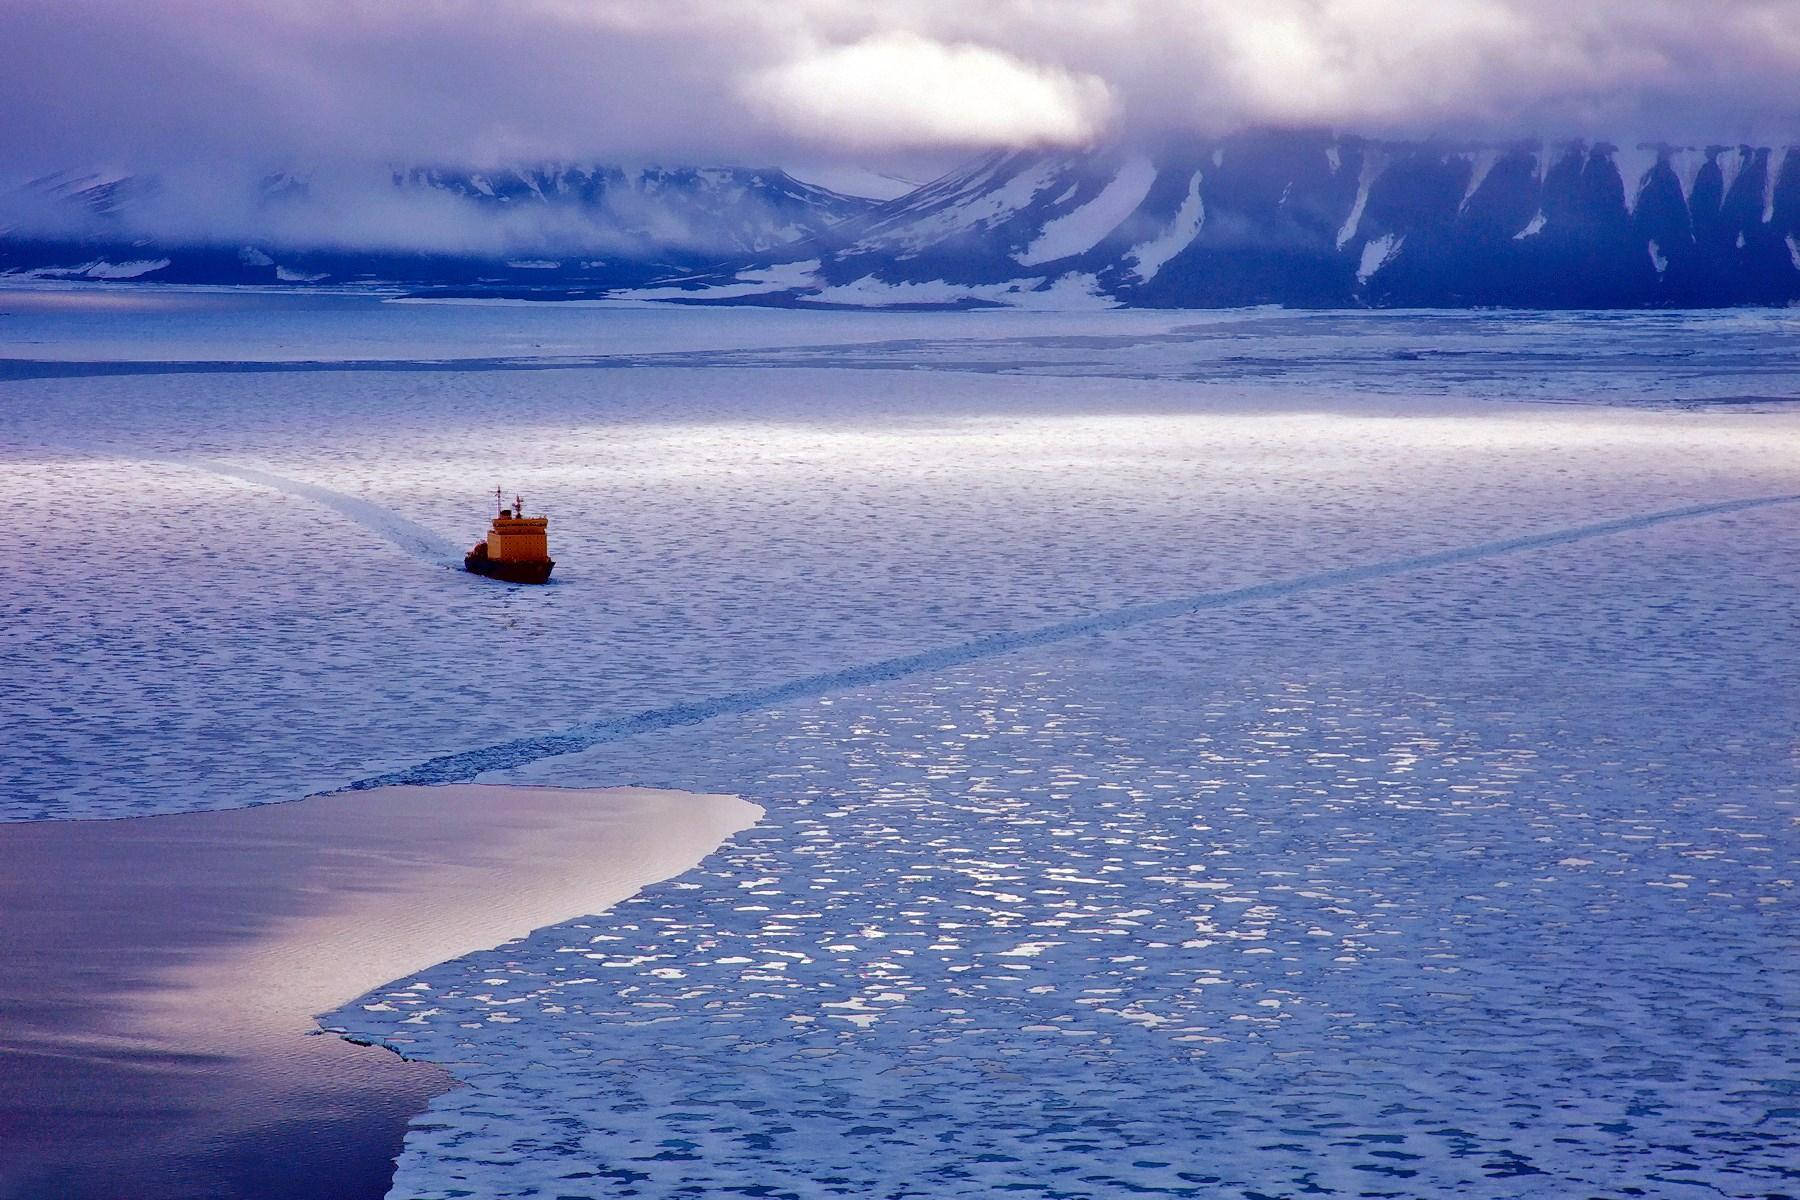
[900, 89]
[270, 81]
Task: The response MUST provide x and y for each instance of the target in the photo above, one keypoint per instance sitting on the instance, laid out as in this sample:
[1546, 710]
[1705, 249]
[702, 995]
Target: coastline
[161, 974]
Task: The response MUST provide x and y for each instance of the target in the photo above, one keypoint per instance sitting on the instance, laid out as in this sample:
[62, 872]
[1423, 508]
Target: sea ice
[1479, 898]
[1465, 880]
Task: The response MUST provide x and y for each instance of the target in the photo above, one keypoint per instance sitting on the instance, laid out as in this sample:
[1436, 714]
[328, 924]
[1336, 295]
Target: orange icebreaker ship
[517, 548]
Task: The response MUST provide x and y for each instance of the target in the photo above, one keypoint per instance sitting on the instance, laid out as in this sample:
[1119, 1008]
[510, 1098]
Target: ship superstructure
[517, 547]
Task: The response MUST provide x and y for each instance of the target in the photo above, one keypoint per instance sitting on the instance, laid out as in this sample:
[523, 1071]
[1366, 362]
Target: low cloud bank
[212, 97]
[490, 81]
[637, 213]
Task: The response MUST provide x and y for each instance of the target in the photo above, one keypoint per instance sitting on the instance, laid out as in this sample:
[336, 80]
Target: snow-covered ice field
[1466, 877]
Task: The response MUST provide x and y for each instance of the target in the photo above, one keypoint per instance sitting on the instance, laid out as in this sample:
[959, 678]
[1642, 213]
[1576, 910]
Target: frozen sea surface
[1460, 885]
[1470, 879]
[1745, 357]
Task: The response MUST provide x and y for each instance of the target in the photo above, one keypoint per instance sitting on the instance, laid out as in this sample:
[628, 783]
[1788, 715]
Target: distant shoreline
[161, 974]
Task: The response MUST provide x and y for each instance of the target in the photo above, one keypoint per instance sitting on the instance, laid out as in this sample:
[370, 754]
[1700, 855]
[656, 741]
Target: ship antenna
[498, 502]
[518, 505]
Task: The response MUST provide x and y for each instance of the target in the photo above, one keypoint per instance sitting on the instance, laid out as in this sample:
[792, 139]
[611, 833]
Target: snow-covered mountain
[1311, 220]
[648, 212]
[94, 195]
[1303, 219]
[566, 225]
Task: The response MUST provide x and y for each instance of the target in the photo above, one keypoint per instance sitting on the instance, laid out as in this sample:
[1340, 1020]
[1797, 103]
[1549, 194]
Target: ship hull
[510, 572]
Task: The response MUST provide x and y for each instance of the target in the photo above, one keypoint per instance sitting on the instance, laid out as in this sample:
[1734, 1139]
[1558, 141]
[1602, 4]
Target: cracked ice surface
[1495, 896]
[718, 530]
[1470, 881]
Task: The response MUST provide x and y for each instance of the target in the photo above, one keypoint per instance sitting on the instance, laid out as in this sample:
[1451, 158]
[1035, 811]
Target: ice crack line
[467, 764]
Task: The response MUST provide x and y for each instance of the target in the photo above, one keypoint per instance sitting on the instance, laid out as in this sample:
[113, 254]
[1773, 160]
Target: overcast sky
[146, 82]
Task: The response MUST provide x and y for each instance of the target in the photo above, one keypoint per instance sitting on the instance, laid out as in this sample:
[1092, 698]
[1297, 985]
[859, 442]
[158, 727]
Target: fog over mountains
[1296, 218]
[598, 225]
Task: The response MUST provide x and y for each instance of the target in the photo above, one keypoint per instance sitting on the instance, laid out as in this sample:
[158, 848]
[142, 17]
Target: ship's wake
[409, 536]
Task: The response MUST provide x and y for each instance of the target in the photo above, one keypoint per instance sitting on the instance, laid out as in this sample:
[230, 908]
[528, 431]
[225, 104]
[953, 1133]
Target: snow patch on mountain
[1085, 227]
[1067, 292]
[1731, 164]
[1687, 164]
[1147, 258]
[1480, 166]
[781, 277]
[1777, 163]
[1372, 166]
[855, 181]
[1377, 254]
[973, 206]
[103, 269]
[1635, 165]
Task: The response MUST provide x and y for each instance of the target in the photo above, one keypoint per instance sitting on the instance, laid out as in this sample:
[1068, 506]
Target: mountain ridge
[1299, 218]
[600, 225]
[1317, 222]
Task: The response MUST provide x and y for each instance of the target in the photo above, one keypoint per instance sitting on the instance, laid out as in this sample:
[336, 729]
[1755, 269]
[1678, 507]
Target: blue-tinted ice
[1472, 880]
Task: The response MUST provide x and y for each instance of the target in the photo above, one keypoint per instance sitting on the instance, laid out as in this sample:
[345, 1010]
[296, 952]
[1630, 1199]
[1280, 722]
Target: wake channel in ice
[409, 536]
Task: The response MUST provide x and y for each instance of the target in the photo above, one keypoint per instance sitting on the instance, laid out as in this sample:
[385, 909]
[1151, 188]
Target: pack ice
[1470, 875]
